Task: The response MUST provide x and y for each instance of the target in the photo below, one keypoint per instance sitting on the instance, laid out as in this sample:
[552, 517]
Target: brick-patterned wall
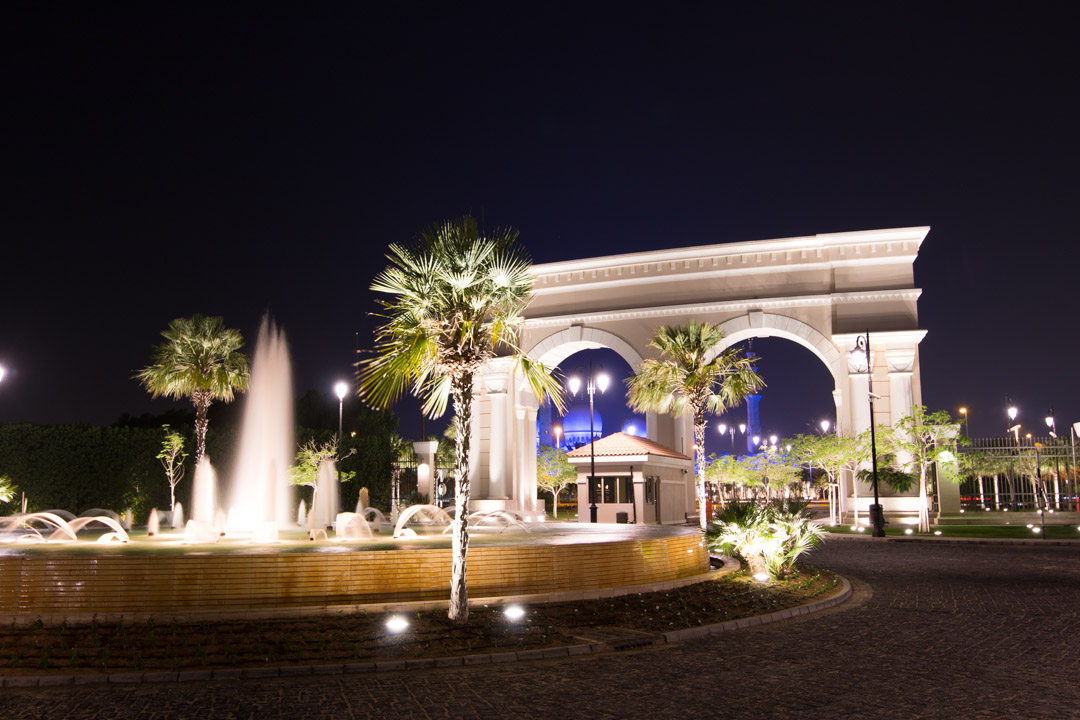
[107, 585]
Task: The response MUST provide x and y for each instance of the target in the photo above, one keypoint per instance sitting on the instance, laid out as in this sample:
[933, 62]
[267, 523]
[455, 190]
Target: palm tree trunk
[463, 407]
[201, 400]
[699, 460]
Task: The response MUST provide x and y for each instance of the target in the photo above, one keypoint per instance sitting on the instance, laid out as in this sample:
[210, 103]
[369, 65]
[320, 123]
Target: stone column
[901, 363]
[525, 465]
[425, 469]
[496, 382]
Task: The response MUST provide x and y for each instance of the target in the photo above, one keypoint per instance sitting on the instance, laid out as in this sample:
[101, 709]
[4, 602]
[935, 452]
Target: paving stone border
[1040, 541]
[379, 666]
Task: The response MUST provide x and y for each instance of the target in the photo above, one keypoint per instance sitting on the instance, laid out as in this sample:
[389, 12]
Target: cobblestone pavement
[932, 631]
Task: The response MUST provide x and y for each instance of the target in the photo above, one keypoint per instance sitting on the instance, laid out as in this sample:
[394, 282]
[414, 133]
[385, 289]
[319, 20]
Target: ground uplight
[396, 624]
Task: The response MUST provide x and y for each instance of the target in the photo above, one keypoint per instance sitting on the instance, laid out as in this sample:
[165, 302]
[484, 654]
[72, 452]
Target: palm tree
[687, 377]
[456, 300]
[200, 359]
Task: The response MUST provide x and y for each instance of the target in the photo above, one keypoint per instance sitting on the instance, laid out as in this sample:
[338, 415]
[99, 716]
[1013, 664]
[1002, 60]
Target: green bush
[77, 467]
[768, 538]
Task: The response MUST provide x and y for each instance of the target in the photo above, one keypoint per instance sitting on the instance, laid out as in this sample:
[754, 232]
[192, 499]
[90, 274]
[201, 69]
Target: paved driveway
[932, 631]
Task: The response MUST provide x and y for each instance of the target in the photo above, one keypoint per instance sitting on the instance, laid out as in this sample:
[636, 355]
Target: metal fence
[1019, 474]
[404, 482]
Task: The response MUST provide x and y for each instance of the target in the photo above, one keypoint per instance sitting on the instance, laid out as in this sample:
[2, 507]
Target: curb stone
[698, 632]
[956, 540]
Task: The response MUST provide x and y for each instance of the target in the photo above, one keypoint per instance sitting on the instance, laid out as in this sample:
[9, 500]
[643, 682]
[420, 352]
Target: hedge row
[77, 467]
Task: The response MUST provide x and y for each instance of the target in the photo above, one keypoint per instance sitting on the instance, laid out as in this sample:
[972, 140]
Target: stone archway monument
[820, 291]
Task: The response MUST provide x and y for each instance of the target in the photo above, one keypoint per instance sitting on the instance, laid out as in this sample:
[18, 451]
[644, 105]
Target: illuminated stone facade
[820, 291]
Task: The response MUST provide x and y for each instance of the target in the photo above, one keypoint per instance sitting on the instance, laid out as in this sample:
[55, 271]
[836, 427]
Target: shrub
[768, 538]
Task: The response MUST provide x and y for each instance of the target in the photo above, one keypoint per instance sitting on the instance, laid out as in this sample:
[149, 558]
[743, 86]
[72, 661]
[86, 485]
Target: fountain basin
[292, 579]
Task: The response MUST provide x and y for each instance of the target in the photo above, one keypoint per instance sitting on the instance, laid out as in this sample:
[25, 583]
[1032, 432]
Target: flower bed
[168, 644]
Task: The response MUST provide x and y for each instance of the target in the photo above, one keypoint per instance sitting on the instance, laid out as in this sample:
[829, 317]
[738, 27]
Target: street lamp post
[341, 388]
[876, 514]
[1014, 428]
[730, 430]
[1072, 437]
[967, 430]
[558, 436]
[1052, 428]
[592, 383]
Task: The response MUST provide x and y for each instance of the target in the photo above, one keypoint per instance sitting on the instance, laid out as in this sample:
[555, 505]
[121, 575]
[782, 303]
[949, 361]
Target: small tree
[172, 458]
[732, 472]
[310, 457]
[554, 473]
[774, 471]
[920, 440]
[7, 489]
[833, 454]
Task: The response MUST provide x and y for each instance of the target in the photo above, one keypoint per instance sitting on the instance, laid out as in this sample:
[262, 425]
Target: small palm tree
[200, 359]
[456, 301]
[688, 378]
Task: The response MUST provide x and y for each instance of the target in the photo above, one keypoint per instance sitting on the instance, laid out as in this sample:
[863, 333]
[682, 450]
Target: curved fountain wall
[227, 584]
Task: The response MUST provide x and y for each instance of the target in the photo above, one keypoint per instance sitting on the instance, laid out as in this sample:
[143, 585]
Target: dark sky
[166, 160]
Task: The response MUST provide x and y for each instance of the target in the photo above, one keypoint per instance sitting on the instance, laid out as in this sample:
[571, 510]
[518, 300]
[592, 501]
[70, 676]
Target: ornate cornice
[806, 254]
[728, 306]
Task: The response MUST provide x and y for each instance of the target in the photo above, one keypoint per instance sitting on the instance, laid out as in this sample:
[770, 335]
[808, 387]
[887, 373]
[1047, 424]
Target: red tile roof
[623, 444]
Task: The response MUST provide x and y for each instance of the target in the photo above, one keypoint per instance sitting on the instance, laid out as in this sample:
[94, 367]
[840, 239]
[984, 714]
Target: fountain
[350, 526]
[203, 525]
[423, 514]
[28, 527]
[260, 493]
[325, 503]
[232, 574]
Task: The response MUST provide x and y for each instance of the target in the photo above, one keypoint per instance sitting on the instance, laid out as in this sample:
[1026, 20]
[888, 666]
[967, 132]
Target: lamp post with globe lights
[1014, 427]
[725, 428]
[964, 413]
[341, 388]
[592, 383]
[862, 357]
[1052, 429]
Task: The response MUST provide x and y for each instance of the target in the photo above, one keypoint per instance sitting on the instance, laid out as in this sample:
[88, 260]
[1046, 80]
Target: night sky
[165, 161]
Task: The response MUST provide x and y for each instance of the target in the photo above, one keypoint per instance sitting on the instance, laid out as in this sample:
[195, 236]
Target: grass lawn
[1053, 532]
[167, 644]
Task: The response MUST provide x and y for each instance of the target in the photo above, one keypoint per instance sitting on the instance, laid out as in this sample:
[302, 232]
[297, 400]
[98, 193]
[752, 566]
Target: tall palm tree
[200, 359]
[456, 300]
[687, 378]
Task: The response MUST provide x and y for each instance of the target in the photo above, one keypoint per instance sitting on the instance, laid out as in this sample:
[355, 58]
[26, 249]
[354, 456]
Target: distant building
[638, 479]
[575, 427]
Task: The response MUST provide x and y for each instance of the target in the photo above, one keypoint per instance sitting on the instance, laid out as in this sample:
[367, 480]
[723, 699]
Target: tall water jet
[260, 492]
[202, 527]
[204, 502]
[325, 505]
